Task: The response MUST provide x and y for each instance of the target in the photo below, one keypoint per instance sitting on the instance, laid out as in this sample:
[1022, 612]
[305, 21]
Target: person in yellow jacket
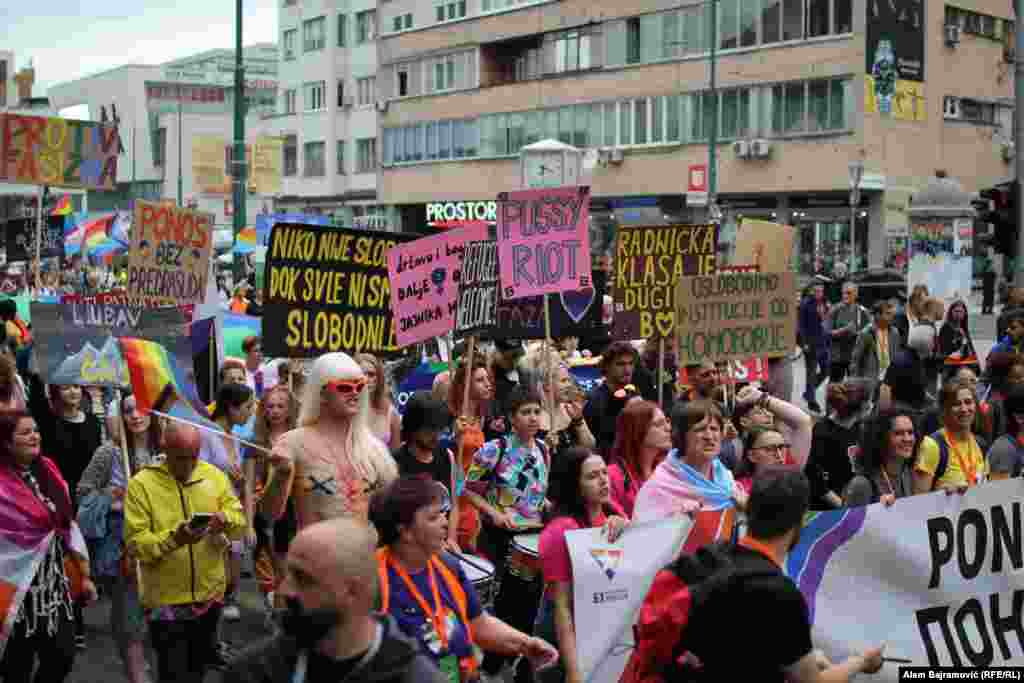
[179, 516]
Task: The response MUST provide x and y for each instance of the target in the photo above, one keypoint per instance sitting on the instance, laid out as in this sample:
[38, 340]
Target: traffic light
[1003, 217]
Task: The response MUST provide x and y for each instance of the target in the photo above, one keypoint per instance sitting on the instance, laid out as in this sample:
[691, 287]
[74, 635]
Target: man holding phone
[180, 514]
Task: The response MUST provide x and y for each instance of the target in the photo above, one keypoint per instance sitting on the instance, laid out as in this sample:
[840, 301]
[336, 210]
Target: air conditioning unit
[760, 149]
[603, 155]
[382, 106]
[1009, 150]
[348, 102]
[951, 107]
[615, 156]
[741, 148]
[952, 35]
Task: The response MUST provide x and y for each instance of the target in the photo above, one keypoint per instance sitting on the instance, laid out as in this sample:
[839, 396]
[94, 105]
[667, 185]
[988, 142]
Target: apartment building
[327, 109]
[464, 84]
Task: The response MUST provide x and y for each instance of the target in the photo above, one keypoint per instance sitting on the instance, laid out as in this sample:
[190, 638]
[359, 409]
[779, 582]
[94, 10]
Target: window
[289, 101]
[290, 152]
[314, 96]
[313, 159]
[342, 30]
[735, 113]
[366, 89]
[809, 106]
[340, 160]
[451, 72]
[314, 34]
[366, 26]
[444, 150]
[160, 147]
[974, 23]
[366, 155]
[843, 16]
[341, 95]
[728, 23]
[403, 22]
[289, 43]
[449, 11]
[572, 51]
[633, 41]
[402, 81]
[817, 18]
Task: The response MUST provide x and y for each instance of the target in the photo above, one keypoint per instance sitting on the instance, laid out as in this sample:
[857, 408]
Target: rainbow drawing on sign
[608, 559]
[822, 535]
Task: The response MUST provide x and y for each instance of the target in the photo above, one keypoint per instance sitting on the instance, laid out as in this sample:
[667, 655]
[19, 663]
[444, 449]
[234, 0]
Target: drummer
[580, 495]
[425, 590]
[508, 482]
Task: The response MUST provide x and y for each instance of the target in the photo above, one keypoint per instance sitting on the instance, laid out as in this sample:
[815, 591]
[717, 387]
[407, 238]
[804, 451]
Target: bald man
[331, 630]
[179, 514]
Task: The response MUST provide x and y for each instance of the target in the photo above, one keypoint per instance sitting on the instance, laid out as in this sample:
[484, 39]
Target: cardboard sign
[574, 313]
[477, 308]
[424, 277]
[649, 261]
[543, 241]
[169, 258]
[77, 343]
[735, 316]
[326, 290]
[766, 246]
[21, 239]
[43, 150]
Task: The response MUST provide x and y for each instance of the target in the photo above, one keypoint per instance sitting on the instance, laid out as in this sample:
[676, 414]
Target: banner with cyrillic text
[610, 581]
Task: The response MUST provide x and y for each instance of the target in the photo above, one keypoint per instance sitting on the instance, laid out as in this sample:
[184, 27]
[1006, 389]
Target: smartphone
[199, 521]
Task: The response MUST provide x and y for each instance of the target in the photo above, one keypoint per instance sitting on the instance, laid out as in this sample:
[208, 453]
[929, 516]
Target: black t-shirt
[766, 653]
[323, 669]
[438, 469]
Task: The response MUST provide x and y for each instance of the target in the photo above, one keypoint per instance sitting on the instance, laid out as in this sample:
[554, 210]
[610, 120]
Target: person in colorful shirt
[426, 591]
[951, 459]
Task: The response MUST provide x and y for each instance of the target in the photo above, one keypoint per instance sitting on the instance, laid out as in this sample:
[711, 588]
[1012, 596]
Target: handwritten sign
[76, 343]
[649, 261]
[327, 289]
[424, 278]
[543, 241]
[767, 246]
[21, 238]
[43, 150]
[12, 282]
[574, 313]
[735, 316]
[477, 308]
[169, 258]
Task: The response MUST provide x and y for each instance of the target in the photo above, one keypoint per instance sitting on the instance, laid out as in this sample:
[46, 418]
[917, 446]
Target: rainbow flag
[151, 368]
[246, 241]
[62, 207]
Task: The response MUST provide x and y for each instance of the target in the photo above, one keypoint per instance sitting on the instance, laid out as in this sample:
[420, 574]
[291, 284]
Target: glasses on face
[346, 387]
[777, 448]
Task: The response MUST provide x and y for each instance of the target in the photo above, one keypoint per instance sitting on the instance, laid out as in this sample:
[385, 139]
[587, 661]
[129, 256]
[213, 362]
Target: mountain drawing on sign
[103, 367]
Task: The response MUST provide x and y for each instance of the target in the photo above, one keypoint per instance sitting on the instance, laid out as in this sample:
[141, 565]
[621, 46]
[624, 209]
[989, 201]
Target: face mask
[307, 627]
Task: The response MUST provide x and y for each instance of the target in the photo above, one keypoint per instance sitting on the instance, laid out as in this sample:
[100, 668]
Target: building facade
[805, 87]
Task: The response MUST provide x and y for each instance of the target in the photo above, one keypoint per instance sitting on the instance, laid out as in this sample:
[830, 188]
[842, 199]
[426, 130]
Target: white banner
[938, 578]
[610, 581]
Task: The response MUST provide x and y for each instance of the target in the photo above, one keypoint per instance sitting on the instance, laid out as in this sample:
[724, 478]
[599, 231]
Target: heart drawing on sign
[663, 321]
[577, 302]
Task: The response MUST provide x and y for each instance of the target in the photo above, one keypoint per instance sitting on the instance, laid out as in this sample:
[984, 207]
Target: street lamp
[856, 174]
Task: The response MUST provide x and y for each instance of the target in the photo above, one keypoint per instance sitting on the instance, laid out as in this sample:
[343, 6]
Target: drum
[480, 573]
[524, 556]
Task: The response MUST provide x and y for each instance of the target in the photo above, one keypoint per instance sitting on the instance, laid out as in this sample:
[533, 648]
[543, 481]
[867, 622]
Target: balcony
[547, 55]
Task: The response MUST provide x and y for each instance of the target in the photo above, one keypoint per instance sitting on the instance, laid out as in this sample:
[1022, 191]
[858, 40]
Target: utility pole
[1018, 139]
[713, 93]
[179, 150]
[239, 167]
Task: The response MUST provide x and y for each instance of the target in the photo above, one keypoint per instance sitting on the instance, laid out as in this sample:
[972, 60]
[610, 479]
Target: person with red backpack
[686, 630]
[426, 591]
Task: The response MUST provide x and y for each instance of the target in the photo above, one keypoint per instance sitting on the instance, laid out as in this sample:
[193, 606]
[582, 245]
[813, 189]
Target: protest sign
[544, 241]
[649, 261]
[327, 289]
[477, 308]
[735, 316]
[45, 150]
[12, 282]
[936, 577]
[76, 343]
[169, 258]
[610, 582]
[764, 245]
[21, 239]
[424, 276]
[574, 313]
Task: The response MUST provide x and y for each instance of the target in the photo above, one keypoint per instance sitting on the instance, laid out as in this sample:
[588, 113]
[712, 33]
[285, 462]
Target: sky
[69, 39]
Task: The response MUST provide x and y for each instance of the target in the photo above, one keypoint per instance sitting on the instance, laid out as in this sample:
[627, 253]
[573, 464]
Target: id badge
[449, 666]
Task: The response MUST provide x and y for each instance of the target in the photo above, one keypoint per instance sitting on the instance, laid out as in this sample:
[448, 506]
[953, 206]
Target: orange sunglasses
[346, 387]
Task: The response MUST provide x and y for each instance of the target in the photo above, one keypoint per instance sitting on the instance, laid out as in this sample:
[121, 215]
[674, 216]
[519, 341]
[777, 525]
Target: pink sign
[424, 277]
[543, 241]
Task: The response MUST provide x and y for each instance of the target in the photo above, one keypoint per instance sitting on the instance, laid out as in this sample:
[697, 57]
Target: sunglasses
[346, 387]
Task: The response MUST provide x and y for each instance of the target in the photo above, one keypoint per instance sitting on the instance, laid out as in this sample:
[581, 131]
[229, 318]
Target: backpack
[943, 465]
[661, 654]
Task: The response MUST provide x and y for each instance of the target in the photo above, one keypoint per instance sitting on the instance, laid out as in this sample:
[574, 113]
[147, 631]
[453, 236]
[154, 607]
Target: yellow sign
[211, 165]
[907, 104]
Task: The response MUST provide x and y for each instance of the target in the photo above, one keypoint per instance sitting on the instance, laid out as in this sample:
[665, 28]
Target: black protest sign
[326, 289]
[477, 309]
[574, 313]
[20, 239]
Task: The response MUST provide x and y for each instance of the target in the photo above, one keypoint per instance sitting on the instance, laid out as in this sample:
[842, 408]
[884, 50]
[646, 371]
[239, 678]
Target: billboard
[211, 165]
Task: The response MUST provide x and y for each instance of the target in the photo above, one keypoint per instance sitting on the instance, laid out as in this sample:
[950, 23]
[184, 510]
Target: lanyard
[755, 545]
[970, 472]
[435, 615]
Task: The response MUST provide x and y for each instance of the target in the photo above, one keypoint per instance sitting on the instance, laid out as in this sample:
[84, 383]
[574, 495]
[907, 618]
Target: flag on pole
[62, 207]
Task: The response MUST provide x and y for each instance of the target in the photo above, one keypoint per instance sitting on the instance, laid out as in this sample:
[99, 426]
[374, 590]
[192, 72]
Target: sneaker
[231, 612]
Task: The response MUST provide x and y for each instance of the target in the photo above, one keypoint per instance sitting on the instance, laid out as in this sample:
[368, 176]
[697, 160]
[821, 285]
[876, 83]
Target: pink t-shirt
[554, 551]
[622, 496]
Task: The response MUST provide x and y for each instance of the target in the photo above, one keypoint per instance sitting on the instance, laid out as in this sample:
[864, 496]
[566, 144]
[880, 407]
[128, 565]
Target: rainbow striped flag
[151, 369]
[62, 207]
